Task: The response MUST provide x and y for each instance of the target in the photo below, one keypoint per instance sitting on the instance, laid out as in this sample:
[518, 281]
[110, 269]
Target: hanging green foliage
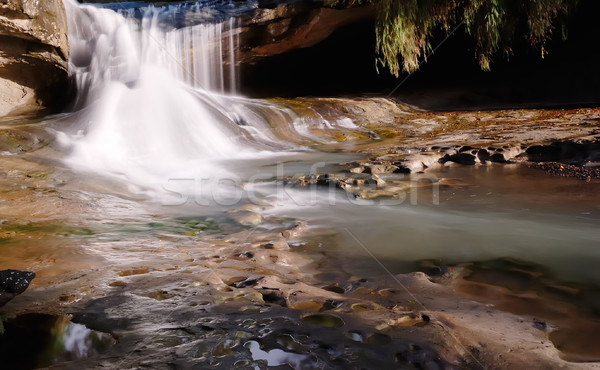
[404, 28]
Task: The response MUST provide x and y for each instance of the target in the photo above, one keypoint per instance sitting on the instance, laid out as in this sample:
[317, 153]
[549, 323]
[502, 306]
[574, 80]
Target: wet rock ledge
[397, 140]
[33, 56]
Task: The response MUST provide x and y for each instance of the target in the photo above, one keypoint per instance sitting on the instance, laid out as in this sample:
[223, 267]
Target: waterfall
[156, 98]
[109, 46]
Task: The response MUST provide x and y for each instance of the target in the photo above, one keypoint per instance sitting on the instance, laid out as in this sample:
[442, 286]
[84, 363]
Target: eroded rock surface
[198, 293]
[33, 56]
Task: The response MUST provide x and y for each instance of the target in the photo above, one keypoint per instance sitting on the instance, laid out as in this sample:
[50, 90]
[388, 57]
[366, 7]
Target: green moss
[10, 140]
[12, 229]
[184, 226]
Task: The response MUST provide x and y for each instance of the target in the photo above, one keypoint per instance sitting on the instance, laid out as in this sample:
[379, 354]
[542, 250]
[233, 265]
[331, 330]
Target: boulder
[498, 158]
[33, 56]
[13, 283]
[483, 155]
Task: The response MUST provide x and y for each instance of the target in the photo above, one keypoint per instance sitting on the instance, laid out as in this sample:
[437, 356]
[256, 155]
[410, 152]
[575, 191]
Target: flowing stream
[156, 109]
[156, 100]
[159, 151]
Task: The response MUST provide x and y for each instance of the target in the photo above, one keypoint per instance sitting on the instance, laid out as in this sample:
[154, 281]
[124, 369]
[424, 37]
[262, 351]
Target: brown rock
[33, 56]
[286, 27]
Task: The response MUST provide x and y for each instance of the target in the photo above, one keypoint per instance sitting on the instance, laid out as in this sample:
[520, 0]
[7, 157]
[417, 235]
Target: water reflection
[278, 357]
[36, 340]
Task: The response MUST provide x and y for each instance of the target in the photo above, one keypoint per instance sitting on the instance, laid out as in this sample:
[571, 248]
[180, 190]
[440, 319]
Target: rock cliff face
[33, 56]
[314, 48]
[271, 31]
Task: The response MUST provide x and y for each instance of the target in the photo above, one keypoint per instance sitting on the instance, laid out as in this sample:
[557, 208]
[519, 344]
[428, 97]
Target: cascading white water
[156, 102]
[145, 90]
[109, 46]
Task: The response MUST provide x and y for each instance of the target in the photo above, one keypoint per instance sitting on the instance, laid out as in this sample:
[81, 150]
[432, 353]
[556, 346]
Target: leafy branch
[404, 28]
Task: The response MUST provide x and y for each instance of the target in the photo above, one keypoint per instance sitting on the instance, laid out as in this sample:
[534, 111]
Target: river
[161, 168]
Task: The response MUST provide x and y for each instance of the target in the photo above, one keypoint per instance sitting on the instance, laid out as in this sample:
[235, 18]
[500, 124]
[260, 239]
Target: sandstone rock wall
[33, 56]
[275, 30]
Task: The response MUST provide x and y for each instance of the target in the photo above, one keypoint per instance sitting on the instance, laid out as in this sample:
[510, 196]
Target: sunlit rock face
[33, 56]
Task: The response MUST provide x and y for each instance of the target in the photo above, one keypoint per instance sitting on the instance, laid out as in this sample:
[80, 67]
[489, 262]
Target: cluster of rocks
[468, 155]
[568, 159]
[387, 176]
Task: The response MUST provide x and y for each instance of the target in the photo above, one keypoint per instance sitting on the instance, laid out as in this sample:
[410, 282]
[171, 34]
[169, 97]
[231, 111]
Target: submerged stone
[326, 320]
[225, 348]
[335, 289]
[408, 320]
[378, 339]
[309, 305]
[136, 271]
[362, 307]
[159, 295]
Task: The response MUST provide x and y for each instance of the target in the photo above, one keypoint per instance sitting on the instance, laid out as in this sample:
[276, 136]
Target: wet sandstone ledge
[209, 302]
[398, 140]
